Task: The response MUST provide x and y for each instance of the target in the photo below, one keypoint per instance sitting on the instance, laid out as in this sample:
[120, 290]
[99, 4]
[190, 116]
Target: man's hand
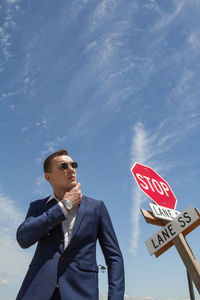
[75, 195]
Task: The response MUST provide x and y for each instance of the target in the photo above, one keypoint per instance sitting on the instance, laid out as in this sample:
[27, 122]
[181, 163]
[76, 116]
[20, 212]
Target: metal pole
[190, 285]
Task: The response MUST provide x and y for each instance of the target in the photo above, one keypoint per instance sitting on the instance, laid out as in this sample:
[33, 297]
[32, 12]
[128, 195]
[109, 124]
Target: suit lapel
[81, 212]
[50, 203]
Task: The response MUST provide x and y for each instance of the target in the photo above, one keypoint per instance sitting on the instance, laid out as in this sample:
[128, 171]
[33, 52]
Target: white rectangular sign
[162, 212]
[172, 229]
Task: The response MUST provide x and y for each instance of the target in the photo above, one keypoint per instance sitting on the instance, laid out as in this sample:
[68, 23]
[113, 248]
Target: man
[66, 226]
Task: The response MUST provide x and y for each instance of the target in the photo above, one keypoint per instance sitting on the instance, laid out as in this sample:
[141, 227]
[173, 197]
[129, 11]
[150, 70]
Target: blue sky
[113, 82]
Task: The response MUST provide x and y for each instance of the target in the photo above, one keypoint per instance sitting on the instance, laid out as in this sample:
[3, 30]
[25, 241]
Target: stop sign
[154, 186]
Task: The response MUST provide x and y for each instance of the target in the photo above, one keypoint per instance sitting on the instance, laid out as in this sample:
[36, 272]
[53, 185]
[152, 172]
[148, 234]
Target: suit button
[62, 258]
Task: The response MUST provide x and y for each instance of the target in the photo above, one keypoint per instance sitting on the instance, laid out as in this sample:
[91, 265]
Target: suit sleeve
[36, 224]
[113, 256]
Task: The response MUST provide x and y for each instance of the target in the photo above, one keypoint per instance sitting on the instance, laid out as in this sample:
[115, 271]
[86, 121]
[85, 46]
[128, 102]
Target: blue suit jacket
[75, 268]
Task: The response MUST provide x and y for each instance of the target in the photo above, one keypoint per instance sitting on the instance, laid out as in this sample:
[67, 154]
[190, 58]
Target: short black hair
[47, 162]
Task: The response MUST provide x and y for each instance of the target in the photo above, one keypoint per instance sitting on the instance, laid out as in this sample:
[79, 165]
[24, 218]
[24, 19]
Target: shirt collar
[53, 196]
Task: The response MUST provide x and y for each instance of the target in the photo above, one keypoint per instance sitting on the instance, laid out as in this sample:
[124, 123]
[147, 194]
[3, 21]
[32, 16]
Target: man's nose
[70, 169]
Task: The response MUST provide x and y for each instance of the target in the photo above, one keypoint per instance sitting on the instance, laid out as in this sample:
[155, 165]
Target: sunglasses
[65, 165]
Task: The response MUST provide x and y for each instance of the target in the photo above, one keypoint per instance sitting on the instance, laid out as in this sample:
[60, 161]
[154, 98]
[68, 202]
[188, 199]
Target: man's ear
[47, 176]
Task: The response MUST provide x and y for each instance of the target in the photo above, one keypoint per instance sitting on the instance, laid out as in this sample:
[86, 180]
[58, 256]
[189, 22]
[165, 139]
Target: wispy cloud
[34, 129]
[139, 153]
[185, 97]
[37, 124]
[51, 146]
[104, 9]
[194, 40]
[12, 1]
[41, 185]
[13, 263]
[150, 148]
[167, 18]
[4, 282]
[184, 84]
[127, 297]
[7, 26]
[77, 6]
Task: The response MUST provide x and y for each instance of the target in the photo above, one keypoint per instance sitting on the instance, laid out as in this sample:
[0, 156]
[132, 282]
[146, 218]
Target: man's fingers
[75, 195]
[75, 192]
[77, 187]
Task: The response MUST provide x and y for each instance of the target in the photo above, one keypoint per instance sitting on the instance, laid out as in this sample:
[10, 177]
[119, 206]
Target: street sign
[162, 212]
[152, 184]
[172, 229]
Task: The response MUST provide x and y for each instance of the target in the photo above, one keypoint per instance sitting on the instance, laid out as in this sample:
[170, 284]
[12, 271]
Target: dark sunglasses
[65, 165]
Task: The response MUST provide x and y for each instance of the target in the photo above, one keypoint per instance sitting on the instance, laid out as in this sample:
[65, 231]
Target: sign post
[175, 225]
[190, 285]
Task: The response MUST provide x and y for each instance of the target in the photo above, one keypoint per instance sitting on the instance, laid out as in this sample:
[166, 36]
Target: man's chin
[70, 186]
[73, 184]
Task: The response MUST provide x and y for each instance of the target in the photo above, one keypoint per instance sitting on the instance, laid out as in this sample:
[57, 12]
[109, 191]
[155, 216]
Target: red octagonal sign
[154, 186]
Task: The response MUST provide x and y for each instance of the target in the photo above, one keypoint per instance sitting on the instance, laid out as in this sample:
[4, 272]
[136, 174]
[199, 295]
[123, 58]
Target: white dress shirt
[68, 224]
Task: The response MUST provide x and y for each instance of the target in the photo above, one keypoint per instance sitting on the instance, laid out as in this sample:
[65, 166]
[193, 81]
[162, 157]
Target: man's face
[60, 179]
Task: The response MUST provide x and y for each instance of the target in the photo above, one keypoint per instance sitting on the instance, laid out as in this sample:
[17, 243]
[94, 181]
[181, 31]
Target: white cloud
[12, 106]
[149, 147]
[127, 297]
[26, 128]
[8, 94]
[41, 185]
[185, 96]
[194, 40]
[52, 146]
[5, 36]
[139, 153]
[8, 23]
[12, 1]
[139, 146]
[90, 46]
[14, 261]
[4, 282]
[104, 8]
[77, 7]
[166, 19]
[42, 123]
[34, 129]
[146, 146]
[184, 83]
